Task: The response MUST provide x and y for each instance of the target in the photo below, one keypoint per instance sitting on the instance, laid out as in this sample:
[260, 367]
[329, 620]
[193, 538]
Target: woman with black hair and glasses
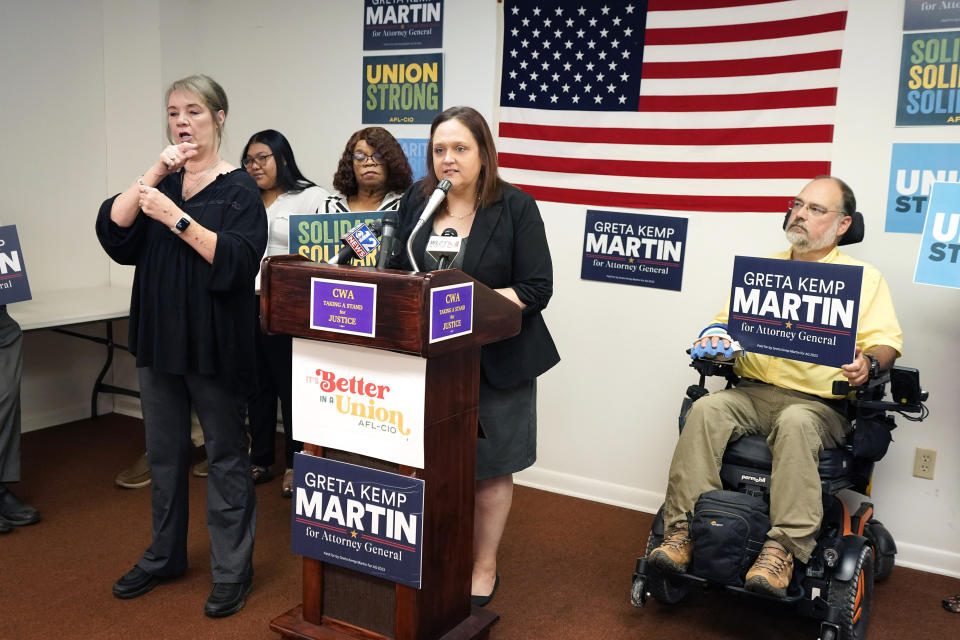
[372, 173]
[268, 158]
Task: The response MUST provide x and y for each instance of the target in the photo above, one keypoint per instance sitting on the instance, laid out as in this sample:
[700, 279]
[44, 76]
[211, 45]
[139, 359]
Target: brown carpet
[565, 565]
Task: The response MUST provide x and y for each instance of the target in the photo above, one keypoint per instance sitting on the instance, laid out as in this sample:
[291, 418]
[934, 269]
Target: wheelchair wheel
[664, 588]
[885, 550]
[854, 597]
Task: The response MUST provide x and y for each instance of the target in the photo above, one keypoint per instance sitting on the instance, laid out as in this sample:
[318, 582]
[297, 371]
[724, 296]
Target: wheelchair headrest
[852, 235]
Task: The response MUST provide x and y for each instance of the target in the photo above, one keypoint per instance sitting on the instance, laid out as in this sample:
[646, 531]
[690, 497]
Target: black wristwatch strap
[874, 367]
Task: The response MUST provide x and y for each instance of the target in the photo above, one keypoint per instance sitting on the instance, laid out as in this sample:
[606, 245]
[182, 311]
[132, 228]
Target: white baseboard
[908, 555]
[37, 420]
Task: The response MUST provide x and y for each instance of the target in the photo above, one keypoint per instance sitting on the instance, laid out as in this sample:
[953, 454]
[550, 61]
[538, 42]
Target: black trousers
[231, 501]
[274, 379]
[11, 369]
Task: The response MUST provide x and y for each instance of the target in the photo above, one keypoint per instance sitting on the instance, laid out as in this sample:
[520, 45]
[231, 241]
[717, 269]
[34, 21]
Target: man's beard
[801, 241]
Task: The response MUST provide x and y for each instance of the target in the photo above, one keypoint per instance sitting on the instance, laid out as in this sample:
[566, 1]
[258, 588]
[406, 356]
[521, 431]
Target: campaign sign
[634, 248]
[367, 401]
[359, 518]
[914, 168]
[929, 87]
[14, 286]
[402, 24]
[796, 310]
[938, 262]
[343, 307]
[317, 236]
[451, 311]
[416, 151]
[930, 14]
[403, 89]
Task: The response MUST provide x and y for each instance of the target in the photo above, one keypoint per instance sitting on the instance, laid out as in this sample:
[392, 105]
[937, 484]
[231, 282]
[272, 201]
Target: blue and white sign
[402, 24]
[13, 273]
[805, 311]
[359, 518]
[416, 151]
[939, 259]
[914, 168]
[634, 248]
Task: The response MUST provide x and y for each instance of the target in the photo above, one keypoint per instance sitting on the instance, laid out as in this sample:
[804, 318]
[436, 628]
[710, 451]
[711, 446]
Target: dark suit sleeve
[532, 265]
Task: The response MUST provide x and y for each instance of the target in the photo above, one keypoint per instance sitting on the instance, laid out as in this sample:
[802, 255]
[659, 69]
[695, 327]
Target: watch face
[182, 224]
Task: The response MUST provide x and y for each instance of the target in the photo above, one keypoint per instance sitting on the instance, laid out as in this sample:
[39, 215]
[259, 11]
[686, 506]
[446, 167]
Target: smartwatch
[182, 224]
[874, 367]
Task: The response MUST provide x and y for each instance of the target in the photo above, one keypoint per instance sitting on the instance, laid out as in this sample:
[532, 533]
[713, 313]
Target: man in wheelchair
[790, 402]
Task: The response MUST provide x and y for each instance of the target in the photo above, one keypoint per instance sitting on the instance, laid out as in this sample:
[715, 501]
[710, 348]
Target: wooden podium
[339, 603]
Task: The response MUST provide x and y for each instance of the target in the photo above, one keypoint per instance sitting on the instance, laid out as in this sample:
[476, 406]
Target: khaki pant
[797, 427]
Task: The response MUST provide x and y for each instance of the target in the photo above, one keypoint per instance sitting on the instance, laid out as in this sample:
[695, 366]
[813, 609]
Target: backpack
[728, 529]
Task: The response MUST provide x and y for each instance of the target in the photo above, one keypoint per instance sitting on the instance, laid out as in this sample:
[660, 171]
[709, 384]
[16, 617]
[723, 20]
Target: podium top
[400, 307]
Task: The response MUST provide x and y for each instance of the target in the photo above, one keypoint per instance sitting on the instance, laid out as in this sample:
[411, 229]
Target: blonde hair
[209, 91]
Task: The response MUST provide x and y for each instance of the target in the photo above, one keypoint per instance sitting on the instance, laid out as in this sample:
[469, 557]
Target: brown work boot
[674, 552]
[772, 571]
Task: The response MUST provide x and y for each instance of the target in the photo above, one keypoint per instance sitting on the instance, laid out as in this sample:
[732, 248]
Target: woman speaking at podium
[195, 228]
[503, 245]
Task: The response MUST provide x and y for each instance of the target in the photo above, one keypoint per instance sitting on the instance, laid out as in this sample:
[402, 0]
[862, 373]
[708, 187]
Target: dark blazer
[507, 248]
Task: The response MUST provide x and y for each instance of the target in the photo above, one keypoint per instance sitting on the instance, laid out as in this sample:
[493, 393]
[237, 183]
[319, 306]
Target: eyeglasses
[259, 160]
[360, 158]
[797, 205]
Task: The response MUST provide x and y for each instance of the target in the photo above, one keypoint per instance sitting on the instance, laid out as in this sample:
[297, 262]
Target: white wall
[87, 106]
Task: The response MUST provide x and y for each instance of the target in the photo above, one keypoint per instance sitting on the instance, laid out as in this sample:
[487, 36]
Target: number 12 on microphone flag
[690, 105]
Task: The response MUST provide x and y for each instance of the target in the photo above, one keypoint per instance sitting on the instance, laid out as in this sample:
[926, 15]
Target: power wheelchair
[853, 550]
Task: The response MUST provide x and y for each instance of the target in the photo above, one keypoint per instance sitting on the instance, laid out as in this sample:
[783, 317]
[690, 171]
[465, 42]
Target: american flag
[690, 105]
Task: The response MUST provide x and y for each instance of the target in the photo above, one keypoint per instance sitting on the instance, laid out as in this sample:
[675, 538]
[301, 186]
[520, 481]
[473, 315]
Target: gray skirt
[508, 418]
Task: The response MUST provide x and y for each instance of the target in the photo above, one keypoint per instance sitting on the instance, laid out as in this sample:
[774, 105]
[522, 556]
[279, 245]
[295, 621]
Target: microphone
[435, 199]
[444, 248]
[358, 242]
[388, 239]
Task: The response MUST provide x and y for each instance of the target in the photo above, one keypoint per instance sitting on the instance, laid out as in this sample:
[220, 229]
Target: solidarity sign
[796, 310]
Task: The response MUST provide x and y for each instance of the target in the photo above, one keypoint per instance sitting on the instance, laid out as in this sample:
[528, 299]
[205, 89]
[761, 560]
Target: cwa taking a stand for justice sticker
[797, 310]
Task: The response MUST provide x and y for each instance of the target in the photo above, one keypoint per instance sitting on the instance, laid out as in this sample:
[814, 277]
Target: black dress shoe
[136, 582]
[227, 598]
[482, 601]
[14, 511]
[4, 527]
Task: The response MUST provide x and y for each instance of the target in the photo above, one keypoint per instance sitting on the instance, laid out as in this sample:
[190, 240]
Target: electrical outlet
[924, 463]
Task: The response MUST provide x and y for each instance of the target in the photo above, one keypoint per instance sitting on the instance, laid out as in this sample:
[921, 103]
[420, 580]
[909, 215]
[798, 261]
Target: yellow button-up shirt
[876, 325]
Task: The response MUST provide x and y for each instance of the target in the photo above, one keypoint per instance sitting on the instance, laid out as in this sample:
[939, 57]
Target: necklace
[189, 191]
[456, 217]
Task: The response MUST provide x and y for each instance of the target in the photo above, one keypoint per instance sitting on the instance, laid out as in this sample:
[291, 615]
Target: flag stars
[535, 54]
[524, 43]
[554, 98]
[591, 44]
[547, 22]
[589, 66]
[523, 64]
[536, 33]
[612, 66]
[598, 99]
[558, 11]
[602, 55]
[569, 22]
[627, 31]
[556, 77]
[513, 53]
[626, 54]
[557, 33]
[604, 9]
[556, 55]
[600, 77]
[616, 22]
[577, 77]
[567, 66]
[534, 75]
[611, 88]
[536, 11]
[515, 10]
[515, 32]
[523, 86]
[533, 97]
[543, 87]
[512, 95]
[624, 76]
[593, 22]
[566, 88]
[622, 99]
[629, 8]
[525, 22]
[603, 33]
[579, 55]
[544, 65]
[587, 87]
[582, 11]
[580, 33]
[513, 75]
[614, 43]
[546, 44]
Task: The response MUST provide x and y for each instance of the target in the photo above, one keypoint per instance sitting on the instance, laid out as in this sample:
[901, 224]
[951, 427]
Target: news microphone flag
[362, 240]
[690, 105]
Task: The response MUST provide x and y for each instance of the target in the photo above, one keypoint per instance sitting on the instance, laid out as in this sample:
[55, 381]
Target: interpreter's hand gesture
[158, 206]
[176, 155]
